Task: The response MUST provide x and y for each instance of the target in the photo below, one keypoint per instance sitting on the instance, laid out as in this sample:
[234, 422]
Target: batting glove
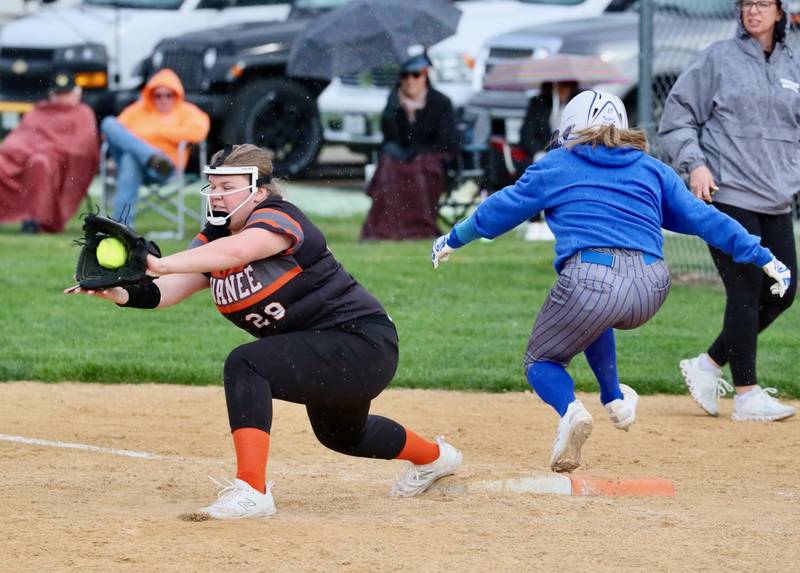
[781, 274]
[442, 249]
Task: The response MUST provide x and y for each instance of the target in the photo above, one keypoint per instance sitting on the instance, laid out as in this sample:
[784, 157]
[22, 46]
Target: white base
[546, 483]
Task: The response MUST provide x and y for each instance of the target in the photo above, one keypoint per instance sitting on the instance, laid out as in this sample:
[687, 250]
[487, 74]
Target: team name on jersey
[235, 286]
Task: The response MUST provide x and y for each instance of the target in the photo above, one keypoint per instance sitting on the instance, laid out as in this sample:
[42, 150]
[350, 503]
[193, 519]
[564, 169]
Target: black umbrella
[364, 34]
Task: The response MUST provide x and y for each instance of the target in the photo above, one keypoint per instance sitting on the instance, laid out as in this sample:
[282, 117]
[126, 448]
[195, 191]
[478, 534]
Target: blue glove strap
[453, 241]
[463, 233]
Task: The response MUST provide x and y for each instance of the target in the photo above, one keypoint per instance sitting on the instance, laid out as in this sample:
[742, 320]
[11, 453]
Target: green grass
[462, 327]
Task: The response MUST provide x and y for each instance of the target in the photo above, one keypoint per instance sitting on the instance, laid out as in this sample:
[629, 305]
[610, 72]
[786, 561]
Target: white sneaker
[419, 478]
[239, 500]
[760, 405]
[573, 429]
[705, 387]
[623, 412]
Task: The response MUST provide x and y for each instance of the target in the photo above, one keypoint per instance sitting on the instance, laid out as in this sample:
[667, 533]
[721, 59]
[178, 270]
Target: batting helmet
[590, 108]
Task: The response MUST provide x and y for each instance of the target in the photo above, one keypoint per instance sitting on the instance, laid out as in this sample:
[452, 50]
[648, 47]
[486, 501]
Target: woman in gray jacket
[732, 122]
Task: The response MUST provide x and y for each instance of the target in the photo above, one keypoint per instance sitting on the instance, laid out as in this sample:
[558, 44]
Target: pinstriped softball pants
[589, 298]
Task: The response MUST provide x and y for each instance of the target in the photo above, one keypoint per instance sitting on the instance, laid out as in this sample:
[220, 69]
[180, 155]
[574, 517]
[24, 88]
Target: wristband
[142, 295]
[453, 241]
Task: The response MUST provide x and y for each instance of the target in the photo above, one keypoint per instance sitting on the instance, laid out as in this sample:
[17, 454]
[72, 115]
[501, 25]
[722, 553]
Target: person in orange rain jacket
[144, 139]
[48, 161]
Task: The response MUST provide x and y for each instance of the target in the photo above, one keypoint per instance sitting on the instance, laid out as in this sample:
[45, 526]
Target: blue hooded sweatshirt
[596, 197]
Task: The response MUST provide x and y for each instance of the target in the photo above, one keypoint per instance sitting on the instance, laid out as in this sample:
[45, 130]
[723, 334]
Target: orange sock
[252, 447]
[418, 450]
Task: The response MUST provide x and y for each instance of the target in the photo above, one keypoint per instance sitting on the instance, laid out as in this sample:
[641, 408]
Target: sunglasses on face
[415, 75]
[163, 95]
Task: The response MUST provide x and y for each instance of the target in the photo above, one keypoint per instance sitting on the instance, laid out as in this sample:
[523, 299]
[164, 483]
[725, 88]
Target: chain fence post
[644, 101]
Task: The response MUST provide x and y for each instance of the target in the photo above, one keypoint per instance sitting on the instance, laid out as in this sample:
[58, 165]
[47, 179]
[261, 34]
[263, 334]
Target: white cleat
[760, 405]
[623, 412]
[418, 479]
[239, 500]
[573, 430]
[705, 387]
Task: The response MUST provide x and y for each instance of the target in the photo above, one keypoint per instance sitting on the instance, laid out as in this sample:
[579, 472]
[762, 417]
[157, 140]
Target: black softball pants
[750, 307]
[335, 373]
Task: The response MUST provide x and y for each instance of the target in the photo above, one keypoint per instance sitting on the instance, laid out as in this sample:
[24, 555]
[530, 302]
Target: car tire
[279, 115]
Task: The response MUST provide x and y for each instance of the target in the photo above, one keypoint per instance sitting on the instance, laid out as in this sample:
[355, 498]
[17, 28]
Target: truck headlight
[452, 67]
[541, 53]
[158, 59]
[616, 56]
[88, 53]
[209, 58]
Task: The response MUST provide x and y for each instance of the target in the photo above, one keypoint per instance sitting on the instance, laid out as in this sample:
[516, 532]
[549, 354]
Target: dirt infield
[736, 507]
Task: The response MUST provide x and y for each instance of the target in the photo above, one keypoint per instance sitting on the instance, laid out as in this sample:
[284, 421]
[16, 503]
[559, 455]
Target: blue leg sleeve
[602, 357]
[553, 385]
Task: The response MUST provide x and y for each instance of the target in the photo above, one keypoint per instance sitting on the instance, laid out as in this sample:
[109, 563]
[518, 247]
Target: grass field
[462, 327]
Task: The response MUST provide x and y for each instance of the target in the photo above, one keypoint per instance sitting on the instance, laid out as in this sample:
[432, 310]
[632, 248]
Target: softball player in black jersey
[321, 338]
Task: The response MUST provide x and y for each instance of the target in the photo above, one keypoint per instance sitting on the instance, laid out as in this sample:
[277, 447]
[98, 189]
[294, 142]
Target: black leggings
[335, 373]
[750, 307]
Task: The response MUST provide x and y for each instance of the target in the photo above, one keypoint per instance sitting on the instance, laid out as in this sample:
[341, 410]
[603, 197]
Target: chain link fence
[672, 34]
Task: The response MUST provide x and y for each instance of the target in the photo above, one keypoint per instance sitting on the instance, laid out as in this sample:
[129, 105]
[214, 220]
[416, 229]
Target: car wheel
[281, 116]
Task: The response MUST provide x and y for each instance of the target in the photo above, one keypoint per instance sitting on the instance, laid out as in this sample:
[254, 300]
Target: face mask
[220, 218]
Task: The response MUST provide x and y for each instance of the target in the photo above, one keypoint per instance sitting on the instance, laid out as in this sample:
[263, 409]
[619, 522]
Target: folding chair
[167, 199]
[506, 163]
[466, 174]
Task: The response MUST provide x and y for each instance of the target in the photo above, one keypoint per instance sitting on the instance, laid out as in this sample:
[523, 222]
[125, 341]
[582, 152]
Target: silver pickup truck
[682, 28]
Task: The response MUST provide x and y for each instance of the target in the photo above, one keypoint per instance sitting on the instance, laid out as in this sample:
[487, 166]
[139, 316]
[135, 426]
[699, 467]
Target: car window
[245, 3]
[698, 7]
[142, 4]
[548, 2]
[685, 7]
[317, 4]
[621, 5]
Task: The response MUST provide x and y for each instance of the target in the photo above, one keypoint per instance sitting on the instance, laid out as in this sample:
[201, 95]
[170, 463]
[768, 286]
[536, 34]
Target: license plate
[355, 124]
[513, 127]
[9, 120]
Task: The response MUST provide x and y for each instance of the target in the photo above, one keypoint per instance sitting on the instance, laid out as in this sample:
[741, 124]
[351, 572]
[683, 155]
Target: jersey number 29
[273, 310]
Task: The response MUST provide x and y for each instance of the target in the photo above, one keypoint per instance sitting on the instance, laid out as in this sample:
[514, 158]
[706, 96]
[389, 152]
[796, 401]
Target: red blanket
[47, 164]
[405, 198]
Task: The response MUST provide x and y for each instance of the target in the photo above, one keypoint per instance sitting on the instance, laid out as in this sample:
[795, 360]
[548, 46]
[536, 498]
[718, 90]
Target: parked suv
[351, 106]
[104, 42]
[236, 74]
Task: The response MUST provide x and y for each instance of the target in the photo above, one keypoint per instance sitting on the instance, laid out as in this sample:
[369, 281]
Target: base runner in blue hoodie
[606, 201]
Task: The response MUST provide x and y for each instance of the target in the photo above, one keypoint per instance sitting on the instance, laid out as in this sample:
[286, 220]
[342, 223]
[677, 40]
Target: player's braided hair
[246, 155]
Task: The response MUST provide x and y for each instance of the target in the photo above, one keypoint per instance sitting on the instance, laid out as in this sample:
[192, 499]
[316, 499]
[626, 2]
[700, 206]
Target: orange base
[648, 487]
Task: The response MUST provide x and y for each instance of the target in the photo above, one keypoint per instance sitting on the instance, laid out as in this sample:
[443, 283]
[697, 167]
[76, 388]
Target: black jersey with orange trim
[302, 288]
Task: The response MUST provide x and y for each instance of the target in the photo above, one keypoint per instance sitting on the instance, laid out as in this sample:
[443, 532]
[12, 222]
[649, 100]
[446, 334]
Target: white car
[104, 42]
[351, 106]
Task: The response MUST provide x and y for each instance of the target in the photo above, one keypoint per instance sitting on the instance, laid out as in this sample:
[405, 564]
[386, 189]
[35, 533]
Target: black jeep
[237, 75]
